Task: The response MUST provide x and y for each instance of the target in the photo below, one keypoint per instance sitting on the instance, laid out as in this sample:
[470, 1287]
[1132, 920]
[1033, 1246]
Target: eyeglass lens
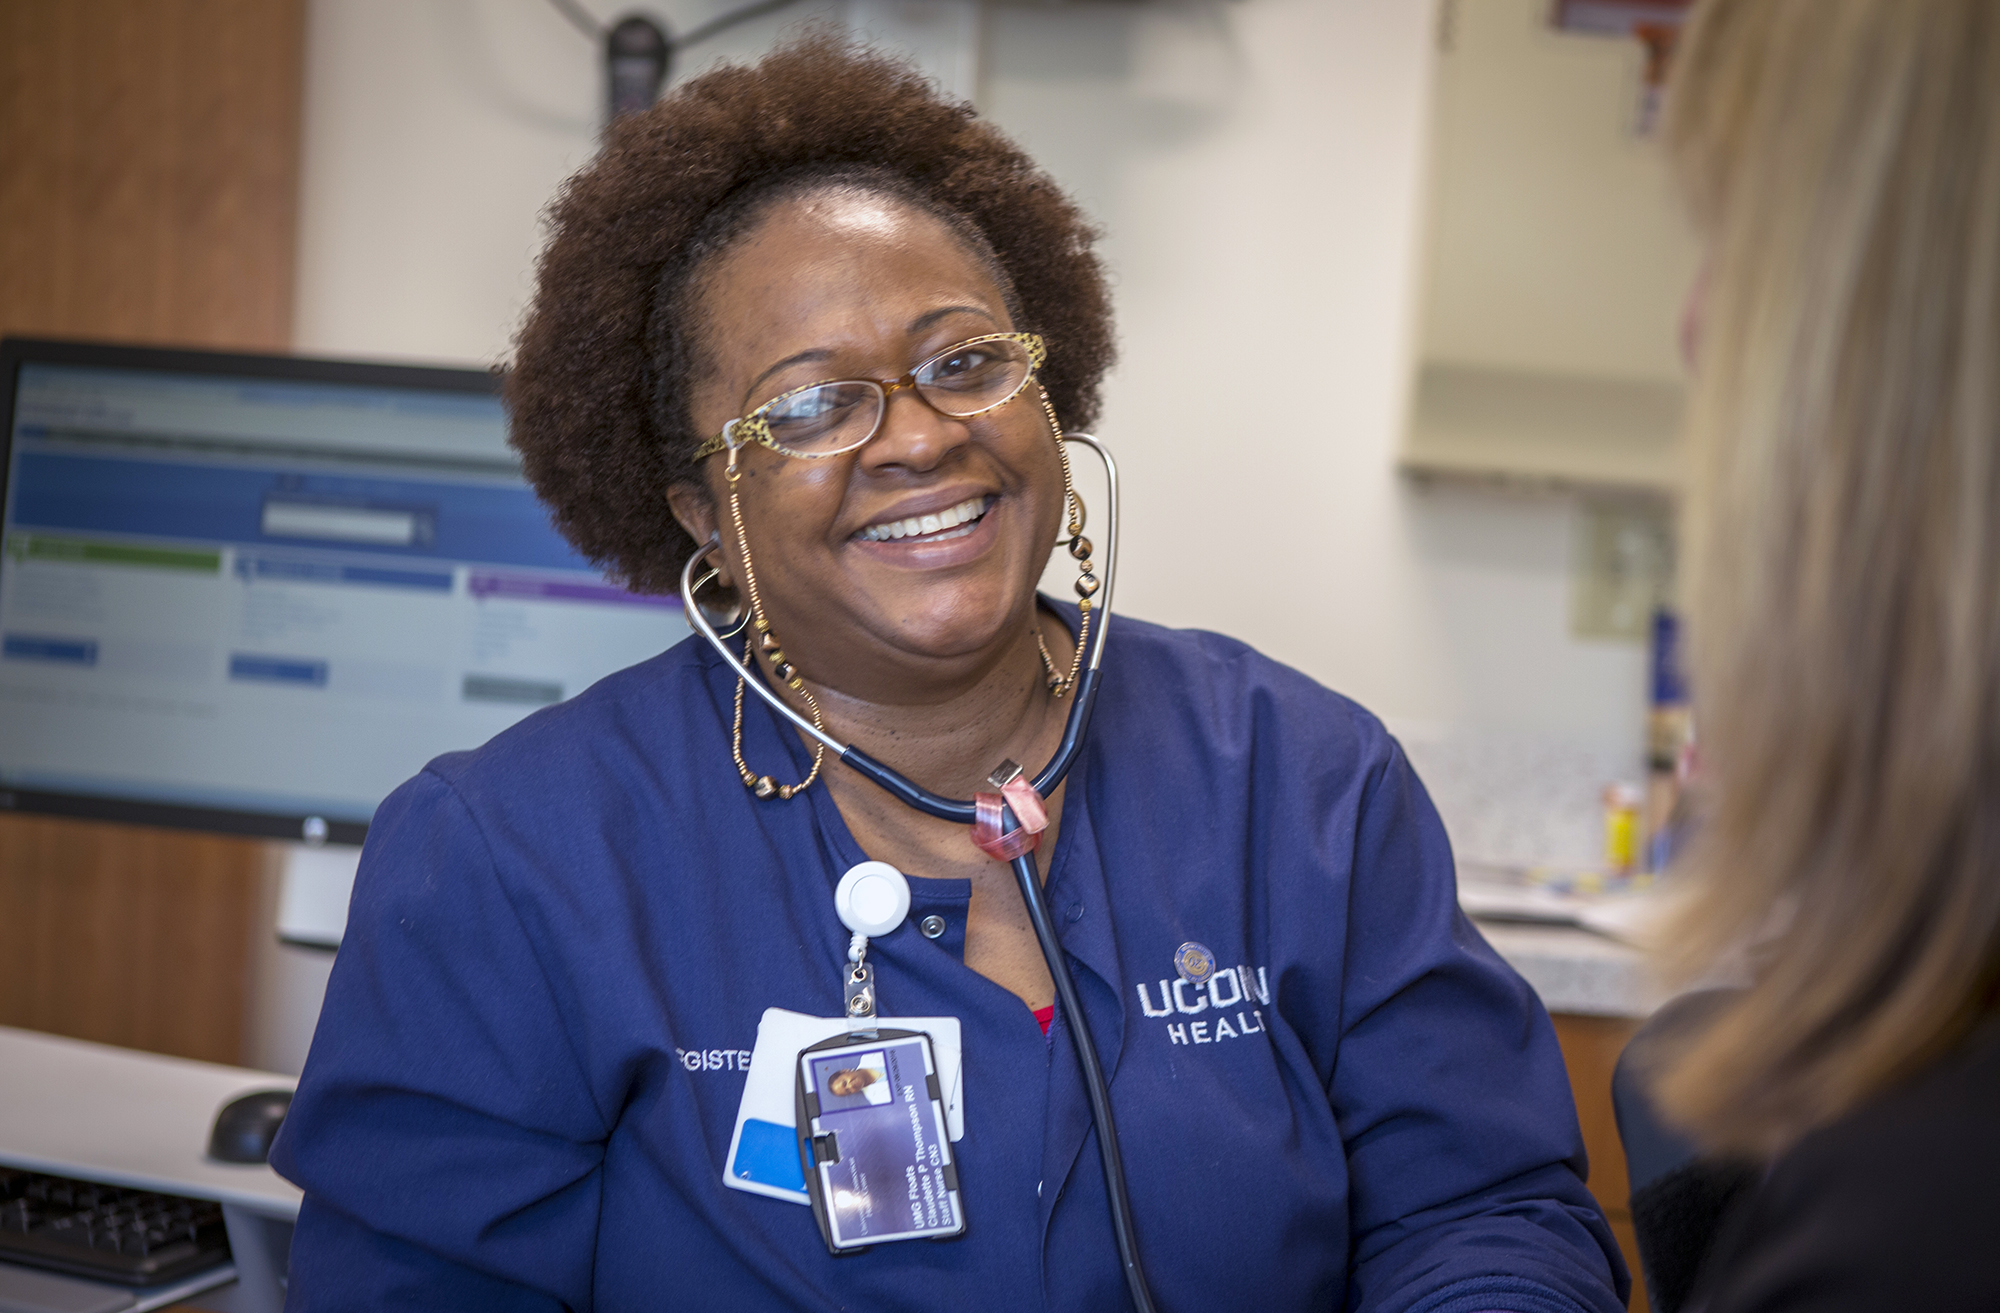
[962, 381]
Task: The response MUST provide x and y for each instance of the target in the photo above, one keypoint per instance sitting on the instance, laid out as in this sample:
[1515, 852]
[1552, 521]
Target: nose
[915, 435]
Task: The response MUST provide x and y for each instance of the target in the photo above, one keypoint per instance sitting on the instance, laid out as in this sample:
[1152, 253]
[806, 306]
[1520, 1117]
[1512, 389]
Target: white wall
[1258, 166]
[435, 133]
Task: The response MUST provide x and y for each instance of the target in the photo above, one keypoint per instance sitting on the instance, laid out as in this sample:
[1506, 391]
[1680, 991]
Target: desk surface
[128, 1118]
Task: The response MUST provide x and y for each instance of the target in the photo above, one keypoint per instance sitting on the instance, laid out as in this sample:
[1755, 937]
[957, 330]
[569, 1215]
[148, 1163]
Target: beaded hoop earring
[1079, 549]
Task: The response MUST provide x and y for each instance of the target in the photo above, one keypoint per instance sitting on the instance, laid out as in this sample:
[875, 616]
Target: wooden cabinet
[128, 936]
[1556, 262]
[1591, 1046]
[151, 177]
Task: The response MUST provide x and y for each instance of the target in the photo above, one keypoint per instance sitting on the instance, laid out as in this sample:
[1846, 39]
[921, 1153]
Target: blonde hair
[1843, 157]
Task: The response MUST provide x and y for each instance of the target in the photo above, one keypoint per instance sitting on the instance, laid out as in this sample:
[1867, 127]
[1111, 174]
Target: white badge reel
[872, 899]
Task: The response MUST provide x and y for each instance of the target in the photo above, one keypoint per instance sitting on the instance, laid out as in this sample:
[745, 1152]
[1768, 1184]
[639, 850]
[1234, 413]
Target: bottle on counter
[1622, 804]
[1669, 744]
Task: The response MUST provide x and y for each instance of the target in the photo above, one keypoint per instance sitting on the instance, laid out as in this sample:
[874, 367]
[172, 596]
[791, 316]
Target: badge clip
[859, 986]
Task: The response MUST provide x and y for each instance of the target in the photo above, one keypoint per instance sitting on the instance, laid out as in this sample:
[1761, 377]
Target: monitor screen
[254, 594]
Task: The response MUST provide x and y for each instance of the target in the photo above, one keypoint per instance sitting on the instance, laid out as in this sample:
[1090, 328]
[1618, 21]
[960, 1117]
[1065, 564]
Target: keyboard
[133, 1237]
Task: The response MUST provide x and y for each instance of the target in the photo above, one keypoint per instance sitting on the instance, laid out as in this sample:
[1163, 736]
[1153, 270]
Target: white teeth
[959, 517]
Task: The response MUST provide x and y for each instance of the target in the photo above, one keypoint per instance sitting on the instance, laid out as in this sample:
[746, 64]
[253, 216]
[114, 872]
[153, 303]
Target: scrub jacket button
[932, 926]
[1075, 913]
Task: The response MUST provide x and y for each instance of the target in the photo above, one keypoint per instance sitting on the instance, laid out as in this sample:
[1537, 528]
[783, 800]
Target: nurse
[814, 321]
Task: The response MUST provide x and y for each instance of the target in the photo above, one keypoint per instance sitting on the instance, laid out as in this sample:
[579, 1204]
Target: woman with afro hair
[826, 330]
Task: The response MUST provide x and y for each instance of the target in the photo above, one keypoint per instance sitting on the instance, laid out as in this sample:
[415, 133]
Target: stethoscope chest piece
[872, 899]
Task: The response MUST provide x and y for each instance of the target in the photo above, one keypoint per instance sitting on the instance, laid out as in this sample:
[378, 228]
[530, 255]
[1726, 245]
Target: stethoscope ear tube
[1103, 598]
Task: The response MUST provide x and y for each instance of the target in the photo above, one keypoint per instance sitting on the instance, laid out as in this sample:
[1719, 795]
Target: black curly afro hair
[602, 367]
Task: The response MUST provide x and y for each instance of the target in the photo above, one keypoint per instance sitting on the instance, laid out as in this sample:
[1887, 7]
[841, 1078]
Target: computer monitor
[255, 593]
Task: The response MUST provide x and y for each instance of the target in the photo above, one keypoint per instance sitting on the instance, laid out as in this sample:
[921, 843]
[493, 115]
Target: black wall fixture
[639, 49]
[637, 58]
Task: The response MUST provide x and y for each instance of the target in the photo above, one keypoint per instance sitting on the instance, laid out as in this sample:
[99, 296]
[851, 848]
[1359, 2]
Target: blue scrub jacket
[527, 1070]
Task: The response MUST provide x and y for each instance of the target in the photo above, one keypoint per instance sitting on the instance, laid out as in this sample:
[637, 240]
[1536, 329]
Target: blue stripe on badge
[768, 1154]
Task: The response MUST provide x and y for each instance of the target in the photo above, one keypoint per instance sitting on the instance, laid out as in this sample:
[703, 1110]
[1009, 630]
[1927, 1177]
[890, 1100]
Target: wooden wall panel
[1591, 1046]
[148, 193]
[149, 169]
[126, 936]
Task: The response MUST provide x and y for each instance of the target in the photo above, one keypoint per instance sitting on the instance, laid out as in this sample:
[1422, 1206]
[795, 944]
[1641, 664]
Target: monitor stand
[313, 890]
[289, 967]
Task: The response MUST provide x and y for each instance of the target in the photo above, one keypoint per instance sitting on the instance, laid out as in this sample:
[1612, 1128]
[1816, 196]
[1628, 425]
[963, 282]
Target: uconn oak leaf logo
[1228, 1001]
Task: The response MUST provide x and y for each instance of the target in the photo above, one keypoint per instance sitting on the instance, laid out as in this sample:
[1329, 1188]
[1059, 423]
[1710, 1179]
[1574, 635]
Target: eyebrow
[817, 353]
[923, 321]
[917, 325]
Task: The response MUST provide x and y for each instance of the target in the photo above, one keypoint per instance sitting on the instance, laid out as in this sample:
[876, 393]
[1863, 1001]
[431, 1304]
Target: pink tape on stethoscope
[989, 814]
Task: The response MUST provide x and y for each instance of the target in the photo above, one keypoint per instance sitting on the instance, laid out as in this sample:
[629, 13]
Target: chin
[960, 622]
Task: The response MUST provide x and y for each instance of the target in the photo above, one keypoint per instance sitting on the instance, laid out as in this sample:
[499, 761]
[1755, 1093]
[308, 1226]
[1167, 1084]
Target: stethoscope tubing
[1096, 1087]
[1084, 702]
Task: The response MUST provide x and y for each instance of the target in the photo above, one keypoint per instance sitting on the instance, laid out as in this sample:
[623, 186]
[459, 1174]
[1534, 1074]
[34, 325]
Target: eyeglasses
[828, 419]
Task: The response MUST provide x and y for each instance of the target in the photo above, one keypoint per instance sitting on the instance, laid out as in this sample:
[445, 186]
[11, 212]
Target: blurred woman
[1843, 158]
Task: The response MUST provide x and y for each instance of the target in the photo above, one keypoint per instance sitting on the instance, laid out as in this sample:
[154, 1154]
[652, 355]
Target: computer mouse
[246, 1126]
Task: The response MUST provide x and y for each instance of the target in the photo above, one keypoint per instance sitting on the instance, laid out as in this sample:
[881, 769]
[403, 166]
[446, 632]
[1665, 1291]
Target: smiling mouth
[952, 522]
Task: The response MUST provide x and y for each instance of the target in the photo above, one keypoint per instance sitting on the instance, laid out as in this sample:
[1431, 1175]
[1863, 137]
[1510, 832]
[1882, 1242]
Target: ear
[694, 508]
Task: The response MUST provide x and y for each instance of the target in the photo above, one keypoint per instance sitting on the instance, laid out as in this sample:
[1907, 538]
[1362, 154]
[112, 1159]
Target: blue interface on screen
[279, 596]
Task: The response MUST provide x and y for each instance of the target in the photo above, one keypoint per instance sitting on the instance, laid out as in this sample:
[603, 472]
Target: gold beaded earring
[1079, 550]
[763, 638]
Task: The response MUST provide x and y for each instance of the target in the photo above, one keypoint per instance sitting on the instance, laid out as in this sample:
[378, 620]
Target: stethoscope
[1025, 874]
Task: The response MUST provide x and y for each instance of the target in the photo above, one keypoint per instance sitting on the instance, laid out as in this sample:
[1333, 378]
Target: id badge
[875, 1142]
[763, 1154]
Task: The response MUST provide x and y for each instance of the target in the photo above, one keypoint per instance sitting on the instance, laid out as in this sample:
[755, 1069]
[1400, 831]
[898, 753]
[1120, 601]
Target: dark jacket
[1895, 1206]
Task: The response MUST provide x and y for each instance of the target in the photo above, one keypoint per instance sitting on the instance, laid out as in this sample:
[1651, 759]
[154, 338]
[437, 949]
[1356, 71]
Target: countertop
[1576, 970]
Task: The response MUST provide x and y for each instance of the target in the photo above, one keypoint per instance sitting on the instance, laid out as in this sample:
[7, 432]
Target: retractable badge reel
[872, 899]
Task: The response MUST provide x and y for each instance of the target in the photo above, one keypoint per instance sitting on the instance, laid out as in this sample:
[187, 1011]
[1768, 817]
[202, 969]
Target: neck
[950, 742]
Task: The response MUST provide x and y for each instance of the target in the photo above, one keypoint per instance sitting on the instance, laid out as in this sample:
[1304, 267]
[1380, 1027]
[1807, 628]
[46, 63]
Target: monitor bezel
[18, 351]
